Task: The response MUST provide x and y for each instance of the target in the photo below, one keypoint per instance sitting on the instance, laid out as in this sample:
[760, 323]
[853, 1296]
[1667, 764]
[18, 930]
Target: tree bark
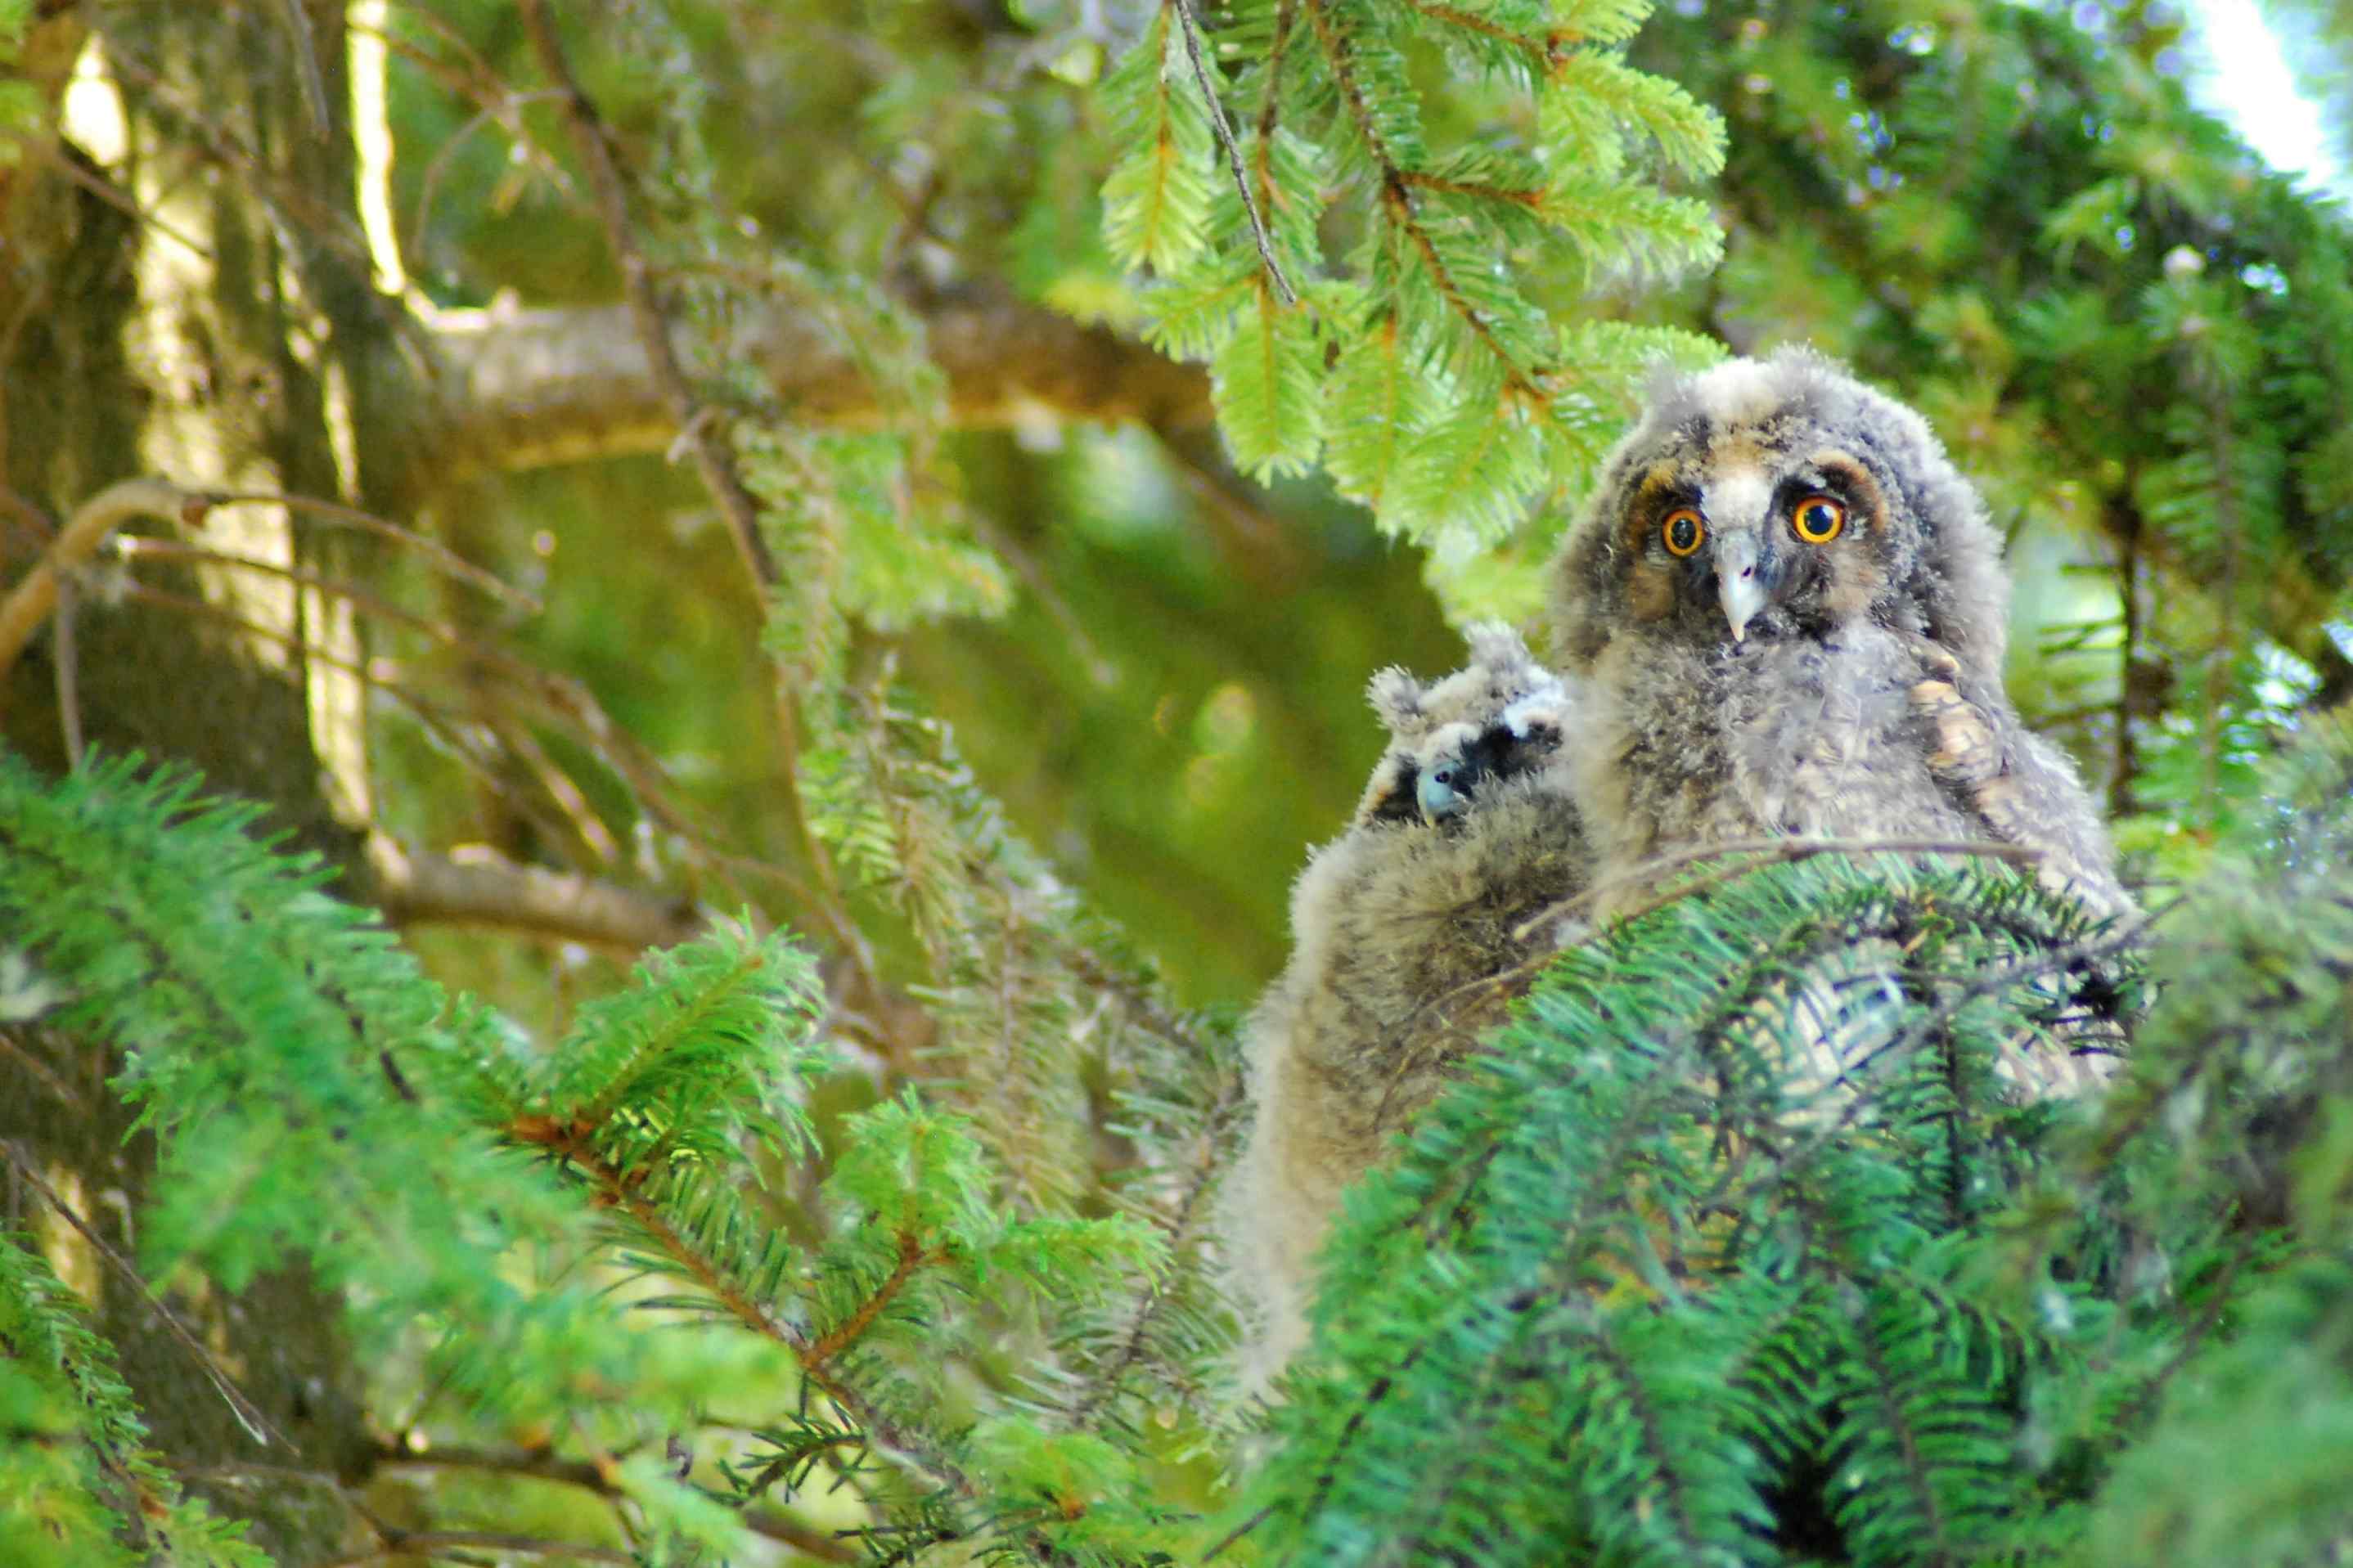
[108, 371]
[522, 388]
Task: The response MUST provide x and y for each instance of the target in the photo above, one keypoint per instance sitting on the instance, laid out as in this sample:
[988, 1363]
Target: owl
[1788, 607]
[1404, 930]
[1785, 608]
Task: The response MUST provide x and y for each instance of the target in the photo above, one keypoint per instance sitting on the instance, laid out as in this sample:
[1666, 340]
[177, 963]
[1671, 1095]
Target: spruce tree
[868, 1216]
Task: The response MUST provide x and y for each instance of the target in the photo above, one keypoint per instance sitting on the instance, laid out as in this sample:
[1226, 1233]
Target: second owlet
[1402, 929]
[1787, 612]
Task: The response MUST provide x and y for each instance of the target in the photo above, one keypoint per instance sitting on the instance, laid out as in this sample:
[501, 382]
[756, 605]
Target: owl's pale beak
[1737, 586]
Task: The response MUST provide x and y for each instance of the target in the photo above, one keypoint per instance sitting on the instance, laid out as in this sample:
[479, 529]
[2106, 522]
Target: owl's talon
[1938, 659]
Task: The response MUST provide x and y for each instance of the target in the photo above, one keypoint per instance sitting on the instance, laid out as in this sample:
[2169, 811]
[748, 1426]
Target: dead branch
[31, 601]
[481, 888]
[711, 457]
[803, 1538]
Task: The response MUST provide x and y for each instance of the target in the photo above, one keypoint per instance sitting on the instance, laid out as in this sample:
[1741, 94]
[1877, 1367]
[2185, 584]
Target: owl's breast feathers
[1798, 734]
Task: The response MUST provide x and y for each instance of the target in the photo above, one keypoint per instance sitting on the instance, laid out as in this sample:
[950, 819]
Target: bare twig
[557, 698]
[306, 67]
[1190, 25]
[504, 111]
[161, 498]
[68, 672]
[114, 196]
[45, 1074]
[710, 459]
[572, 806]
[291, 204]
[250, 1416]
[442, 558]
[31, 601]
[142, 549]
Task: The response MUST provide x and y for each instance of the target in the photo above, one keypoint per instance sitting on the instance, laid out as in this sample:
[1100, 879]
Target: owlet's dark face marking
[1768, 530]
[1439, 790]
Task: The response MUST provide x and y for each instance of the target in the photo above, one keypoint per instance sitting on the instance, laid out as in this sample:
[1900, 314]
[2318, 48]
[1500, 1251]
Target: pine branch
[1755, 852]
[1666, 1461]
[1897, 1419]
[1269, 107]
[913, 1256]
[621, 1189]
[1538, 931]
[1541, 52]
[1613, 1204]
[1208, 1157]
[1397, 200]
[67, 1403]
[1531, 198]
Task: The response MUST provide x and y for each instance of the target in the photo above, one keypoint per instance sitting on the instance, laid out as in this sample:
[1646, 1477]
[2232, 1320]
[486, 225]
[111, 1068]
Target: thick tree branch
[526, 388]
[803, 1538]
[485, 888]
[417, 1543]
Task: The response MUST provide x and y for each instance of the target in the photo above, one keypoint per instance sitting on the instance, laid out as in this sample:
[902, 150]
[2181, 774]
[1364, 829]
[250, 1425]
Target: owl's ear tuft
[1397, 697]
[1496, 648]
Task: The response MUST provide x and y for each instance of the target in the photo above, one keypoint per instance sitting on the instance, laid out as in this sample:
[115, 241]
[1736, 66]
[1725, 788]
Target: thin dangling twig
[1191, 26]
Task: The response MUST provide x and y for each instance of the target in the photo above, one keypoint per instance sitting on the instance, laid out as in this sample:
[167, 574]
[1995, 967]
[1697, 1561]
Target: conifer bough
[1358, 289]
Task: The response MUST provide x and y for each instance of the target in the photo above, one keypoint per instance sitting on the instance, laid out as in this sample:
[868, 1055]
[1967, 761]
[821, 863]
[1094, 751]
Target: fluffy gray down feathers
[1395, 924]
[1853, 691]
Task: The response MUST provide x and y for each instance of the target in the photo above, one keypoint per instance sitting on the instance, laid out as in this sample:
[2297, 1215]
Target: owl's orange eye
[1817, 520]
[1683, 531]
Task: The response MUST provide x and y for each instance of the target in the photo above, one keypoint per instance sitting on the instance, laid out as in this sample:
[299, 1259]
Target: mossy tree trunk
[222, 359]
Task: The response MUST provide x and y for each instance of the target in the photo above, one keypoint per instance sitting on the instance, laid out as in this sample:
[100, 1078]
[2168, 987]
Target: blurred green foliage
[912, 1169]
